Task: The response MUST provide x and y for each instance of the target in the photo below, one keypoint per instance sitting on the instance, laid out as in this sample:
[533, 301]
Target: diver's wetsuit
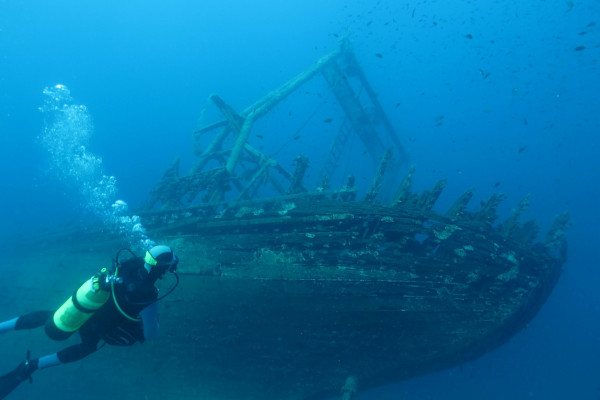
[132, 317]
[136, 296]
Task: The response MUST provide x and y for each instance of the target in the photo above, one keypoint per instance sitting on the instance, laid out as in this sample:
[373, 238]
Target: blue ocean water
[495, 95]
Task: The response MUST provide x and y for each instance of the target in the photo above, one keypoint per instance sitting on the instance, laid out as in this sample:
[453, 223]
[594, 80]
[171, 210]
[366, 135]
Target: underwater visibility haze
[98, 99]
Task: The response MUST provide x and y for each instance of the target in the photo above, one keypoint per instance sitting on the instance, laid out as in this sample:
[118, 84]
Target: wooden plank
[353, 110]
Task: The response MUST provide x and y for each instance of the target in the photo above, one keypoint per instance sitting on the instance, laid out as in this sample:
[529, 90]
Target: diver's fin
[10, 381]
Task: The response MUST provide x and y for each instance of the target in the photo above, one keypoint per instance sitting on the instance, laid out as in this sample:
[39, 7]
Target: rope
[302, 126]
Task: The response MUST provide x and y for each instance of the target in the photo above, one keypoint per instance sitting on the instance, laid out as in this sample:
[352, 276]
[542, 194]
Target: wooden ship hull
[309, 293]
[307, 297]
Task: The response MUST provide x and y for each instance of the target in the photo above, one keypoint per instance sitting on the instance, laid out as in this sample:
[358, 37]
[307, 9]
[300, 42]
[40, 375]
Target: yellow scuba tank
[78, 308]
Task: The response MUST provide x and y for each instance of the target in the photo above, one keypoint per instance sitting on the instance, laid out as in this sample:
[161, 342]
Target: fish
[327, 120]
[579, 48]
[297, 137]
[570, 6]
[260, 136]
[469, 36]
[378, 55]
[496, 184]
[522, 149]
[591, 24]
[439, 118]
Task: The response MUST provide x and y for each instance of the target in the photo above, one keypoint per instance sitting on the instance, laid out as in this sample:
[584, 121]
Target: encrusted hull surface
[291, 299]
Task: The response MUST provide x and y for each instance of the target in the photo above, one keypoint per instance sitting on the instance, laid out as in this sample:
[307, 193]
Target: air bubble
[66, 135]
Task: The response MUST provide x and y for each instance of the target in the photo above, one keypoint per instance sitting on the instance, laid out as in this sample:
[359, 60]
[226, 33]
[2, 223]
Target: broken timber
[338, 68]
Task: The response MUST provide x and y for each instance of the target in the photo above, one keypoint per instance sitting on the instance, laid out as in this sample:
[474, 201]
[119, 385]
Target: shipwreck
[322, 290]
[293, 289]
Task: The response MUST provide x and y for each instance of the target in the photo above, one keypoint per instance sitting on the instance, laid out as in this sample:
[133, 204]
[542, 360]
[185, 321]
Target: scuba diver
[117, 307]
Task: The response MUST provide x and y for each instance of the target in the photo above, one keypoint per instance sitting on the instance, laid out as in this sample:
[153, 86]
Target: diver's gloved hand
[25, 370]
